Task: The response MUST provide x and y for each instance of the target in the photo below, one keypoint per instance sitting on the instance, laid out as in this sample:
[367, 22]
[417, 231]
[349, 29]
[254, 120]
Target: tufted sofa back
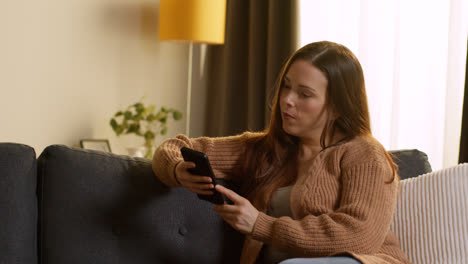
[97, 207]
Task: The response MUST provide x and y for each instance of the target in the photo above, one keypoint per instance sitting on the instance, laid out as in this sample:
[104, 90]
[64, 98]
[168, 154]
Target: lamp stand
[189, 90]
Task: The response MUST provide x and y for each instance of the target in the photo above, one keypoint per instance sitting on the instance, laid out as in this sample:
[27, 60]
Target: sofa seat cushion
[18, 204]
[99, 207]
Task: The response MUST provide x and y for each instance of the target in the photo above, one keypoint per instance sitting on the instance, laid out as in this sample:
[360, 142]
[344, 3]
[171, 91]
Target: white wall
[67, 66]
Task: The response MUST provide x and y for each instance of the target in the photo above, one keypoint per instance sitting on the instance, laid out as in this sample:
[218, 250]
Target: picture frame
[96, 144]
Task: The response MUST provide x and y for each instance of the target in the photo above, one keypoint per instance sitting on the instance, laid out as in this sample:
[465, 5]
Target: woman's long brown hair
[272, 158]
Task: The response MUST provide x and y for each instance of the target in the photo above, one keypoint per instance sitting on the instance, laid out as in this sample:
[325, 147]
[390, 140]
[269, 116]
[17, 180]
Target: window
[413, 56]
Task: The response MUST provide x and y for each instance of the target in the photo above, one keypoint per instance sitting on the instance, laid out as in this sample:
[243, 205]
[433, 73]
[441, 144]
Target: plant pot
[136, 152]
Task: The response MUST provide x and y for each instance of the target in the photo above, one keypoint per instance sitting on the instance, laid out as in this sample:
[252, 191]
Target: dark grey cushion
[101, 208]
[411, 162]
[18, 204]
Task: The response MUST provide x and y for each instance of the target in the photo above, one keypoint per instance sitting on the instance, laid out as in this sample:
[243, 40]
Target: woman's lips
[288, 116]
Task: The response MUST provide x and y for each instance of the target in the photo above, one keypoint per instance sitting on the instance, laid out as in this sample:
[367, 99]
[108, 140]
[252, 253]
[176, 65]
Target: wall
[67, 66]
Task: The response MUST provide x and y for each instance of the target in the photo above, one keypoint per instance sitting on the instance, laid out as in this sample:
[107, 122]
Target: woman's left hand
[241, 215]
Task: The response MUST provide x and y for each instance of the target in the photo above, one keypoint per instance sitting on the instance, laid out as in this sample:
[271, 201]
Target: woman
[315, 184]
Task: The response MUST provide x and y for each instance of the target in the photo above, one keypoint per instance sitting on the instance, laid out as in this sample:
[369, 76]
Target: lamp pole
[189, 90]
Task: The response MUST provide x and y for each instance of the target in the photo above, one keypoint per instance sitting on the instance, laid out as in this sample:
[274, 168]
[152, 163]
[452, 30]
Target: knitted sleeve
[359, 224]
[223, 153]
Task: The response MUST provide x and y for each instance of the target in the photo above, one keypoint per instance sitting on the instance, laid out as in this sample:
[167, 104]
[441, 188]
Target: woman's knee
[323, 260]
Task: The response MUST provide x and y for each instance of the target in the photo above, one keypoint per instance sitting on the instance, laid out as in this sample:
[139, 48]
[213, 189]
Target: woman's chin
[289, 130]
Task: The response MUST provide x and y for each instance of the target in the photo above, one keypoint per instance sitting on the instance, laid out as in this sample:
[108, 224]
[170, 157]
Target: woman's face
[302, 101]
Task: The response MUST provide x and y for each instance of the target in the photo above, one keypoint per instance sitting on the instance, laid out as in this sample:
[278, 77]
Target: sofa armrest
[18, 204]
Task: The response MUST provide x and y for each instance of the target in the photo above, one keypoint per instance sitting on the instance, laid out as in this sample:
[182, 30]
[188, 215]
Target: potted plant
[143, 121]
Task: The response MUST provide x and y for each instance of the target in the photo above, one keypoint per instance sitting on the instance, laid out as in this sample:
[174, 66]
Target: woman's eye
[286, 86]
[305, 95]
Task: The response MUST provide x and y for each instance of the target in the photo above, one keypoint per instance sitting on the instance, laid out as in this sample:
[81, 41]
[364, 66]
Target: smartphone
[203, 168]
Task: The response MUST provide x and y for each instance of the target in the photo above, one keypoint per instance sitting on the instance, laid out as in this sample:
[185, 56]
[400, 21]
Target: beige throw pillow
[431, 217]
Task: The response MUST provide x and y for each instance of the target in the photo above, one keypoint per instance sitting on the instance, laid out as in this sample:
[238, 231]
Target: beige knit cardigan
[341, 205]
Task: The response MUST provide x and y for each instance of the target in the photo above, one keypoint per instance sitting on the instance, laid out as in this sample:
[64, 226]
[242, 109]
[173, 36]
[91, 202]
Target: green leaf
[119, 130]
[150, 118]
[139, 116]
[138, 105]
[119, 113]
[113, 124]
[128, 115]
[160, 115]
[133, 128]
[149, 135]
[139, 108]
[150, 109]
[164, 130]
[177, 115]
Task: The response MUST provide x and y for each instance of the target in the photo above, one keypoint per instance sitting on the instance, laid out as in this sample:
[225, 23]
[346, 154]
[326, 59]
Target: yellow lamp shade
[194, 20]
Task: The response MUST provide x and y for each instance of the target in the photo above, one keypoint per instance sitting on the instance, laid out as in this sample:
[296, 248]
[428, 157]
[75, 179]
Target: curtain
[260, 35]
[413, 56]
[463, 157]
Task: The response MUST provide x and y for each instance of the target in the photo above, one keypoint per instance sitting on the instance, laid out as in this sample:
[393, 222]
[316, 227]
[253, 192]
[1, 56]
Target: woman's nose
[288, 99]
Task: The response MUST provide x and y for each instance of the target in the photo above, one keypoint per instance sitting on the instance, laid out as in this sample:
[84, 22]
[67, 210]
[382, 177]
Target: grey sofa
[78, 206]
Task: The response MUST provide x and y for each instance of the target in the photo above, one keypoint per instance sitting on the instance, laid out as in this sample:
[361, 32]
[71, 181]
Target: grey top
[279, 206]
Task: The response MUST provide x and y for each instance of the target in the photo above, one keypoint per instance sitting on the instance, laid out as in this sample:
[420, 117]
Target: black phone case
[203, 168]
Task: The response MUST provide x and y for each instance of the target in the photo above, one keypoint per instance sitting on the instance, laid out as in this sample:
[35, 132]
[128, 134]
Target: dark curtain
[463, 157]
[260, 35]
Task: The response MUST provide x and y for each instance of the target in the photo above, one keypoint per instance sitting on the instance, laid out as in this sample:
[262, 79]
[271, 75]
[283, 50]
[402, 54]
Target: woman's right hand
[195, 183]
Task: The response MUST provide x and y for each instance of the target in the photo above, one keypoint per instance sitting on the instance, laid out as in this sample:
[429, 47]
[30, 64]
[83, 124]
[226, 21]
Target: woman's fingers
[199, 186]
[183, 173]
[231, 195]
[202, 192]
[196, 183]
[184, 166]
[241, 215]
[196, 179]
[205, 189]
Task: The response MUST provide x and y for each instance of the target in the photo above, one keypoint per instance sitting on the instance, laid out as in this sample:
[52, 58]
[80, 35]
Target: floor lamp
[195, 22]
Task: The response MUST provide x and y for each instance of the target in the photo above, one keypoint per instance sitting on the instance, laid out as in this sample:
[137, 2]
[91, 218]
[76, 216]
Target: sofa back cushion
[99, 207]
[18, 204]
[411, 162]
[431, 216]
